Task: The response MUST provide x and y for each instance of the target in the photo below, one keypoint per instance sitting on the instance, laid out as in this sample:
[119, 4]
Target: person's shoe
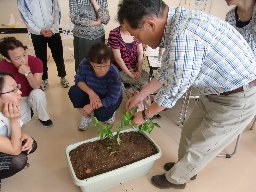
[47, 123]
[64, 82]
[168, 166]
[85, 121]
[112, 119]
[45, 84]
[157, 116]
[161, 182]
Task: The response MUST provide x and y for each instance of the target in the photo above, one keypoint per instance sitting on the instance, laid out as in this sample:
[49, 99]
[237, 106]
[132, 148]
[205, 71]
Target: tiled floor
[48, 169]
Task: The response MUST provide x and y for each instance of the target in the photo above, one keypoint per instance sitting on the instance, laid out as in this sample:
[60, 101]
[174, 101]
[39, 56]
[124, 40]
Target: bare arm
[120, 62]
[151, 87]
[140, 57]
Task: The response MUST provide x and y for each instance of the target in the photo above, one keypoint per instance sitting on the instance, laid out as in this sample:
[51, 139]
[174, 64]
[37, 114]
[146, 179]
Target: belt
[239, 89]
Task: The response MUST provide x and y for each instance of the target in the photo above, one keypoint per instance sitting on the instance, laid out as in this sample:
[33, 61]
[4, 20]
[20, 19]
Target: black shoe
[168, 166]
[127, 85]
[157, 116]
[47, 123]
[161, 182]
[32, 113]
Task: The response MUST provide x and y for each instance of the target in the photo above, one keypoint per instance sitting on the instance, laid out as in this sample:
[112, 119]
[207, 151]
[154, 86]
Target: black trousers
[55, 44]
[17, 162]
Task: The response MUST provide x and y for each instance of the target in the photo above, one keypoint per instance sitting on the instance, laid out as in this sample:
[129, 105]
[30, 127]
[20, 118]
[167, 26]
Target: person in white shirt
[14, 145]
[42, 19]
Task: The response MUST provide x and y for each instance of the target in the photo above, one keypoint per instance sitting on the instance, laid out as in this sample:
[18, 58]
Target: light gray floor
[48, 170]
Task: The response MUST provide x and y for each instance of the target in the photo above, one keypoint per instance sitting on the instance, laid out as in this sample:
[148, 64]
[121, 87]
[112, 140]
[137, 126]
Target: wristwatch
[145, 117]
[27, 74]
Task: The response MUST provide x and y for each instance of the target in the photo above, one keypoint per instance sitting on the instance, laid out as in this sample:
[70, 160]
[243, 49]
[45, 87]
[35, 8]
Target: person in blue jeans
[97, 88]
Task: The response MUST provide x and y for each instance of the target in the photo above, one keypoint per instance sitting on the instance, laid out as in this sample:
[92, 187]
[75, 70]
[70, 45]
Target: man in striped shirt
[97, 88]
[201, 51]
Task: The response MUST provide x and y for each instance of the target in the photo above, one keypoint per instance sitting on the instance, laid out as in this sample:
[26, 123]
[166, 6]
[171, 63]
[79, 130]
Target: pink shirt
[36, 66]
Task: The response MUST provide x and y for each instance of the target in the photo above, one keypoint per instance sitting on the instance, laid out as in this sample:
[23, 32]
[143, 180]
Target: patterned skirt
[5, 161]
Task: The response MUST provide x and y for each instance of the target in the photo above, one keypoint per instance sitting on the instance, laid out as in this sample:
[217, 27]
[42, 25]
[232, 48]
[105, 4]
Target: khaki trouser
[214, 123]
[37, 101]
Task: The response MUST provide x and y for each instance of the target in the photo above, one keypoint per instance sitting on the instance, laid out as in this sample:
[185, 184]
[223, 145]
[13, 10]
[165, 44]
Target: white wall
[214, 7]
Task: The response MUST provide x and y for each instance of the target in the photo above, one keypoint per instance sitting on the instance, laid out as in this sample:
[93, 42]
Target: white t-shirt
[5, 126]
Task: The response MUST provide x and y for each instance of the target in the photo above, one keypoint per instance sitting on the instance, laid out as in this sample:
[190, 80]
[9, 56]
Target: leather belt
[239, 89]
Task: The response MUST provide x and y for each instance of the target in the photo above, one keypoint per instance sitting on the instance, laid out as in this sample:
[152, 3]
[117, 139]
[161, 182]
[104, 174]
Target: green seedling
[106, 130]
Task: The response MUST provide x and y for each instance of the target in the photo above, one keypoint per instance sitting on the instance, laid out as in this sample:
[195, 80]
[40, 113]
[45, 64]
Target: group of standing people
[200, 50]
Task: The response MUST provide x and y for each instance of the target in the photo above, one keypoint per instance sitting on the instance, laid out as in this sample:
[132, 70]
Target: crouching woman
[98, 88]
[14, 145]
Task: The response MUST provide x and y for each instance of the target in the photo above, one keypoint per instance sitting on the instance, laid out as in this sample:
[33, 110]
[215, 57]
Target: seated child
[97, 88]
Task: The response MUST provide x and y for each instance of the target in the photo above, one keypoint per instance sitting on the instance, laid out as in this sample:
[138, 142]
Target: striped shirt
[203, 51]
[248, 31]
[108, 87]
[82, 13]
[129, 51]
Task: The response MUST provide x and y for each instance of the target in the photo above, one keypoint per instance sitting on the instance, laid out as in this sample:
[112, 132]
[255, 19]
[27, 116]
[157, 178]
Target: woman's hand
[95, 101]
[87, 110]
[96, 23]
[12, 111]
[137, 74]
[27, 143]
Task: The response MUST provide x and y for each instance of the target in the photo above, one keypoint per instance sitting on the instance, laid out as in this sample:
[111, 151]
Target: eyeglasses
[18, 86]
[100, 66]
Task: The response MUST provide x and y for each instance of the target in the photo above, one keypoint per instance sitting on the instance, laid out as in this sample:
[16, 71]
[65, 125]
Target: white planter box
[112, 178]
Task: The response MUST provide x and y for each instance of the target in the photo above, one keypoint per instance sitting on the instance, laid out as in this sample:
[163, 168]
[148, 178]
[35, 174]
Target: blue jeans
[79, 99]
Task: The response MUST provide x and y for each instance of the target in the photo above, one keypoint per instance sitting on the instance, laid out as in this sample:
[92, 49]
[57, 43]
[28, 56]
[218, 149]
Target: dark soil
[93, 158]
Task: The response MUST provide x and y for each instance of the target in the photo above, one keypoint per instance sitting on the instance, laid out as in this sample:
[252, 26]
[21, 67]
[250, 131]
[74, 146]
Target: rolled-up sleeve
[181, 65]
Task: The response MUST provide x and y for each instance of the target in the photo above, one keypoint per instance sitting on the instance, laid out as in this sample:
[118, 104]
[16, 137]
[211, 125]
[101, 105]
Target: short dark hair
[133, 11]
[2, 75]
[99, 53]
[9, 43]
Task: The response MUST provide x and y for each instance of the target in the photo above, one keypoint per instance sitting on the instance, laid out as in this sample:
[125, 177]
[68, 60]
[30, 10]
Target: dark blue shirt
[108, 87]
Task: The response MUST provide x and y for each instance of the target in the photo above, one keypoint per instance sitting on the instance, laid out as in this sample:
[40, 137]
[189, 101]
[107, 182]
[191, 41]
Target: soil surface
[93, 158]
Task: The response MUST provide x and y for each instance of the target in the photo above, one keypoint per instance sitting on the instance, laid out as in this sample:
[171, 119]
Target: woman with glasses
[15, 146]
[97, 88]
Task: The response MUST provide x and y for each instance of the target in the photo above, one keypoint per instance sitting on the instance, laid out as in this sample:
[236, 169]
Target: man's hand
[138, 118]
[134, 101]
[23, 69]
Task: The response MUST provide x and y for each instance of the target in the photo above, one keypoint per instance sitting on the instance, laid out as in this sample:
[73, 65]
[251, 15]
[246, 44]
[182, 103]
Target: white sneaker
[85, 121]
[44, 84]
[112, 119]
